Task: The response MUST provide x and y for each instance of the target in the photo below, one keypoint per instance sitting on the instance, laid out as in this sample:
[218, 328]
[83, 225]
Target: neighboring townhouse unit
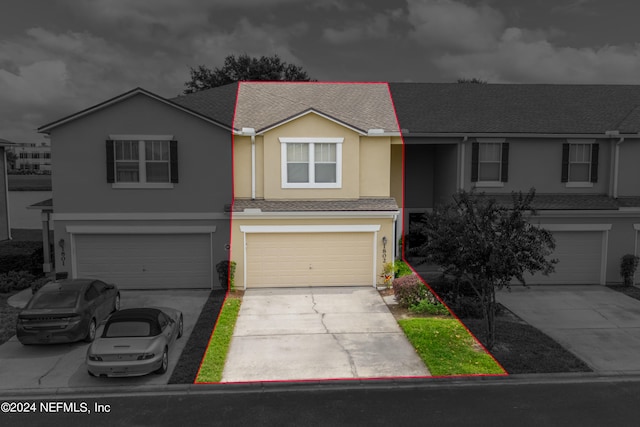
[33, 157]
[5, 224]
[317, 182]
[577, 145]
[141, 189]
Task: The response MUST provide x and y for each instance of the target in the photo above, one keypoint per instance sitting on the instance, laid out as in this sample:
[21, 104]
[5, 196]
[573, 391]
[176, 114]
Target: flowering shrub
[409, 290]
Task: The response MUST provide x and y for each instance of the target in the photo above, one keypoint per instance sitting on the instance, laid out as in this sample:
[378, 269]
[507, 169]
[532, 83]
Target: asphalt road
[485, 402]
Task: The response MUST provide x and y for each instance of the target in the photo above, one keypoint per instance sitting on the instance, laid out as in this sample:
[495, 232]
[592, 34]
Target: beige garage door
[580, 259]
[146, 261]
[309, 259]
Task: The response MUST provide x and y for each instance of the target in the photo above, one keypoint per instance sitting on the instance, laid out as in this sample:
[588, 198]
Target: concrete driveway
[318, 333]
[63, 365]
[597, 324]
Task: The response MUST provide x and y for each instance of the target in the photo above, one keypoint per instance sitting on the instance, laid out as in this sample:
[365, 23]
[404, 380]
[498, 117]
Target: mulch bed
[187, 368]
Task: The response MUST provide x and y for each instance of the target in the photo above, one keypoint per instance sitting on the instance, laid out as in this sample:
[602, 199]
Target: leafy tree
[487, 245]
[472, 80]
[243, 68]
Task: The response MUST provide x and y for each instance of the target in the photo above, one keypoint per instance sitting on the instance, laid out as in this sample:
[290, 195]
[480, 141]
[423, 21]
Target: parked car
[66, 311]
[134, 342]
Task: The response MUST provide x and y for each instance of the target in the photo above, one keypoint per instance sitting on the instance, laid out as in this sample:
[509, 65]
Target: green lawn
[213, 361]
[446, 347]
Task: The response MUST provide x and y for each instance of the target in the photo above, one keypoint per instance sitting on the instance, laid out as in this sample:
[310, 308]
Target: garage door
[309, 259]
[580, 259]
[147, 261]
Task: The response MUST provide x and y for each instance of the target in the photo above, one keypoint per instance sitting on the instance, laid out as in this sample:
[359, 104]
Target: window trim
[311, 141]
[503, 161]
[593, 163]
[142, 161]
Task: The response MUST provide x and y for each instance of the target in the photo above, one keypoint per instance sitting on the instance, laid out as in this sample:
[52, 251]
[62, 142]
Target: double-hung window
[311, 162]
[490, 162]
[580, 163]
[138, 161]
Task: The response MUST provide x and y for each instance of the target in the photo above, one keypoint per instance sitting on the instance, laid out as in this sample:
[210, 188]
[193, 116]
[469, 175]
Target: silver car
[135, 342]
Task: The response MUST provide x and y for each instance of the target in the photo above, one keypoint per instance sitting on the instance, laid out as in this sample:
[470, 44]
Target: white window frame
[492, 183]
[311, 141]
[142, 161]
[588, 182]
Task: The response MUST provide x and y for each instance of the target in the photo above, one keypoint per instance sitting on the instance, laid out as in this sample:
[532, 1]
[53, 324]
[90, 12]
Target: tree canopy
[485, 244]
[244, 68]
[472, 80]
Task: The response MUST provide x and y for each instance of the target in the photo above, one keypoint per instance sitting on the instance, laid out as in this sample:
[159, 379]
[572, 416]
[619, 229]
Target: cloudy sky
[60, 56]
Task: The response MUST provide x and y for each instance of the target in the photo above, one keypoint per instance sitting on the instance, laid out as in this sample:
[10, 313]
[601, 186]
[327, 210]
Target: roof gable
[120, 98]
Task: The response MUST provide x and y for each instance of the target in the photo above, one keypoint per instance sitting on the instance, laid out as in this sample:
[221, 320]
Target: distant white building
[33, 156]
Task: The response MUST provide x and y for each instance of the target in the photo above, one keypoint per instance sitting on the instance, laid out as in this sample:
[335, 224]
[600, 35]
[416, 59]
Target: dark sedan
[66, 311]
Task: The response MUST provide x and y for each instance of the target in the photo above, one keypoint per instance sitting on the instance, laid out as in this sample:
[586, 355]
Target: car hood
[105, 346]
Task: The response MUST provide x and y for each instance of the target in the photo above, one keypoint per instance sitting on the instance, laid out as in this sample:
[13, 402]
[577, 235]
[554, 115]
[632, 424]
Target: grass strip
[446, 347]
[213, 362]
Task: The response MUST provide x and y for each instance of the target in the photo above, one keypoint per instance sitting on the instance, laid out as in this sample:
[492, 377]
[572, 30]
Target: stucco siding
[419, 176]
[445, 172]
[375, 166]
[396, 173]
[79, 161]
[629, 168]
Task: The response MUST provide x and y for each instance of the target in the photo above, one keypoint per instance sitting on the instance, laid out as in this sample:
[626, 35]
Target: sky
[58, 57]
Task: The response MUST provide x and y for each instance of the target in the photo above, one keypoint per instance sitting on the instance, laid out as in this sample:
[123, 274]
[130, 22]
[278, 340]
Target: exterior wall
[629, 168]
[4, 198]
[375, 166]
[419, 176]
[79, 161]
[311, 125]
[445, 172]
[237, 244]
[397, 171]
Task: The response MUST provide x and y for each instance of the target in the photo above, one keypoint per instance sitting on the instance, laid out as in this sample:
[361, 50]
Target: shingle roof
[382, 204]
[217, 103]
[516, 108]
[363, 106]
[564, 201]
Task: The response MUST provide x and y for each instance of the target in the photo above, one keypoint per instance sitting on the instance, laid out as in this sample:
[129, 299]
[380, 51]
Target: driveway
[597, 324]
[63, 365]
[318, 333]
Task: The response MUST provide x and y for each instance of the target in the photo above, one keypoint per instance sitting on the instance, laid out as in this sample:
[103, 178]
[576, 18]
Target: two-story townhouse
[141, 190]
[317, 180]
[577, 145]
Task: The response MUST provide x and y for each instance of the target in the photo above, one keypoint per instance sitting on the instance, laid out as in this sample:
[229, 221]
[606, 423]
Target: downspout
[252, 133]
[461, 145]
[616, 166]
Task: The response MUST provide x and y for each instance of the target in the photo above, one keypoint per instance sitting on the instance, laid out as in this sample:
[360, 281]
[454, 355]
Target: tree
[485, 245]
[472, 80]
[242, 68]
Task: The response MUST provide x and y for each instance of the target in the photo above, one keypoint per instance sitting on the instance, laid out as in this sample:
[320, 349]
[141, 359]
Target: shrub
[15, 281]
[226, 274]
[409, 290]
[401, 269]
[459, 296]
[628, 266]
[428, 307]
[22, 256]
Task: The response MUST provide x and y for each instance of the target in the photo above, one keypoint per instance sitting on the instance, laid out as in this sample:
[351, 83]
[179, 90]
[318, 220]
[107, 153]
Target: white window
[489, 161]
[579, 162]
[142, 161]
[311, 162]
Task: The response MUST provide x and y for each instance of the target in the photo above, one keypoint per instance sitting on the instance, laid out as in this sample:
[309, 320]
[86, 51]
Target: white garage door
[309, 259]
[146, 261]
[580, 259]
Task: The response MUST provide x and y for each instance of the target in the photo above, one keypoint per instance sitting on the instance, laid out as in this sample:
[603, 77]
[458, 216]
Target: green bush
[15, 281]
[401, 269]
[409, 290]
[628, 266]
[459, 297]
[427, 307]
[226, 274]
[22, 256]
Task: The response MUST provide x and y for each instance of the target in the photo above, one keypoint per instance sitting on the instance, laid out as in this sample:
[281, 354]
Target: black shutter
[565, 163]
[504, 172]
[474, 161]
[595, 148]
[110, 162]
[173, 156]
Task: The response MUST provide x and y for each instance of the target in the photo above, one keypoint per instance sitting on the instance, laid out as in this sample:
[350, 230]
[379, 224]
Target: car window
[162, 320]
[99, 286]
[136, 328]
[91, 293]
[62, 299]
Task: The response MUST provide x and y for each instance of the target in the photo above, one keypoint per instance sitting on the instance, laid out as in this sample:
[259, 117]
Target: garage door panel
[146, 261]
[580, 259]
[309, 259]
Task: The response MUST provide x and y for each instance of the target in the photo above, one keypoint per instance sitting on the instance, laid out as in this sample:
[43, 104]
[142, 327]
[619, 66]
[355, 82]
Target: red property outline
[424, 282]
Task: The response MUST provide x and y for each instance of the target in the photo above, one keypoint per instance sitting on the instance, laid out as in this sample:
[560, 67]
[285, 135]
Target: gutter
[408, 134]
[252, 132]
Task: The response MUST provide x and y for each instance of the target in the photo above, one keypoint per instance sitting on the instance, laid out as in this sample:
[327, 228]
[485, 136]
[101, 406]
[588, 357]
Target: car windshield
[61, 299]
[130, 328]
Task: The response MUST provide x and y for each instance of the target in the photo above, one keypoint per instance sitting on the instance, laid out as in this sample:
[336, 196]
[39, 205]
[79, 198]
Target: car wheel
[116, 303]
[91, 333]
[180, 326]
[165, 362]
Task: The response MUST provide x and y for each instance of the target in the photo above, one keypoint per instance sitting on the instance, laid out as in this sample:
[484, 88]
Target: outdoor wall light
[62, 255]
